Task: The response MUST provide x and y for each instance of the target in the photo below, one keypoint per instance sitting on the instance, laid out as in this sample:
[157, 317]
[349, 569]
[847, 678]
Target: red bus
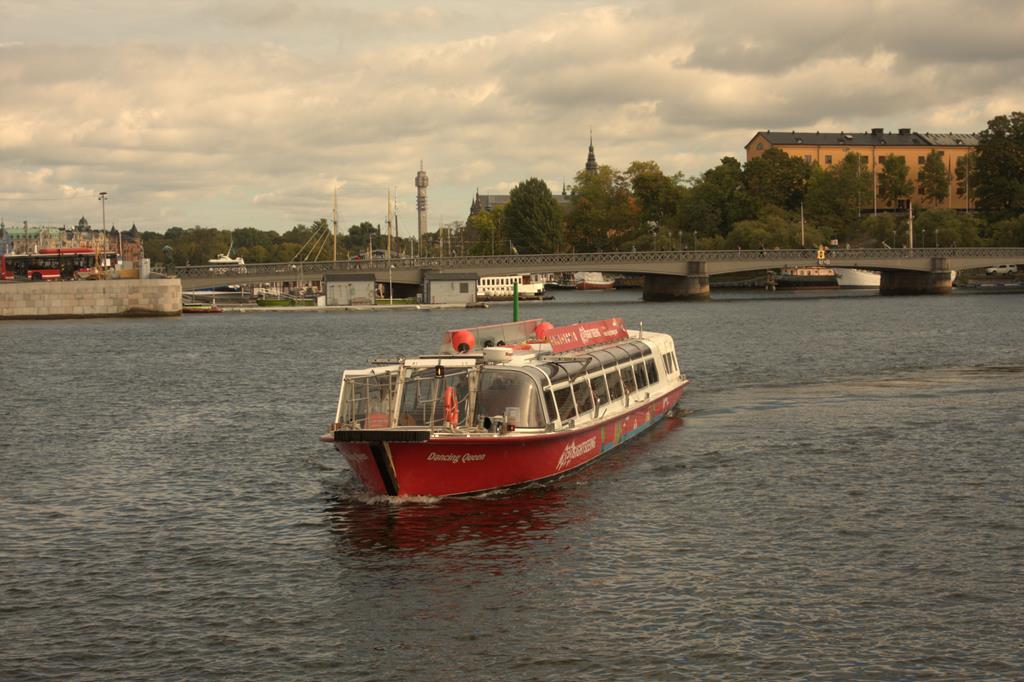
[52, 264]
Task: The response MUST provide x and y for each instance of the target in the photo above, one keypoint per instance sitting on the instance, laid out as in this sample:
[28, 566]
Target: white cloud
[248, 113]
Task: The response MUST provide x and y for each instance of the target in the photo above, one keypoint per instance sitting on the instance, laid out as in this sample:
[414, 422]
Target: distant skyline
[236, 113]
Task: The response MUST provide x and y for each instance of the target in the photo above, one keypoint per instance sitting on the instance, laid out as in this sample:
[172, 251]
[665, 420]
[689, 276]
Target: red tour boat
[503, 405]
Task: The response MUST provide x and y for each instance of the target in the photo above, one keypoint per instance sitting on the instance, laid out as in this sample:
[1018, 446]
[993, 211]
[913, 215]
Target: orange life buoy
[451, 406]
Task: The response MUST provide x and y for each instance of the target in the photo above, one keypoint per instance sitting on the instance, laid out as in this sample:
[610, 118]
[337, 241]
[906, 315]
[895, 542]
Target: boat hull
[856, 278]
[458, 465]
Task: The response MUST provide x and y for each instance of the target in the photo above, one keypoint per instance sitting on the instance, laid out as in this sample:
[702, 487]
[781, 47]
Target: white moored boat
[850, 278]
[593, 280]
[501, 288]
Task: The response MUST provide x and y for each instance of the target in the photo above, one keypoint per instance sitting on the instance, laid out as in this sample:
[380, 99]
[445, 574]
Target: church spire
[591, 159]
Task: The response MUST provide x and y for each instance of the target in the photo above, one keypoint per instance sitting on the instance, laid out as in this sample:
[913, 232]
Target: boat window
[584, 398]
[423, 396]
[614, 384]
[366, 400]
[566, 407]
[641, 375]
[652, 370]
[502, 389]
[668, 363]
[628, 380]
[549, 401]
[600, 389]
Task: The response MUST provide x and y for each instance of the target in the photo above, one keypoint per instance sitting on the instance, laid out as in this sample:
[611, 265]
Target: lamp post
[936, 237]
[103, 203]
[695, 240]
[391, 290]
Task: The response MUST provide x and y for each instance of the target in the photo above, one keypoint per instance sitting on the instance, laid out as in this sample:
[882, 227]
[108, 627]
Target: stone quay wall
[90, 298]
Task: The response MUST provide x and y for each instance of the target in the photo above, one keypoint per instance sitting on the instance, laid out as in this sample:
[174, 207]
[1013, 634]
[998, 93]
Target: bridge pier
[908, 282]
[693, 286]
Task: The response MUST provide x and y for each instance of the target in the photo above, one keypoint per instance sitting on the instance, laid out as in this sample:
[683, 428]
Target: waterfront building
[828, 149]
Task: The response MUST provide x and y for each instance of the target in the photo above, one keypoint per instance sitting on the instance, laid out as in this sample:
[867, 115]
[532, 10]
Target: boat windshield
[367, 399]
[509, 395]
[425, 400]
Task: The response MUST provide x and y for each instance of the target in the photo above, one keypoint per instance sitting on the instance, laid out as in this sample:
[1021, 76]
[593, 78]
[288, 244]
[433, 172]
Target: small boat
[503, 405]
[201, 308]
[225, 259]
[593, 280]
[502, 288]
[805, 276]
[857, 278]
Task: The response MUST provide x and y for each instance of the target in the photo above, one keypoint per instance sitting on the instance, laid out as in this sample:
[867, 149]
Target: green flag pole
[515, 300]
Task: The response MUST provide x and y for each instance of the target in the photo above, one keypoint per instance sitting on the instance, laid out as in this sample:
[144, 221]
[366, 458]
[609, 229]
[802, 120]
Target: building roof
[485, 202]
[905, 137]
[952, 139]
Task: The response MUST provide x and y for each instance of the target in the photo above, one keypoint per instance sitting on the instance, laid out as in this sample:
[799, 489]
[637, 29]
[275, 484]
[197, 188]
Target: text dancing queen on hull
[503, 405]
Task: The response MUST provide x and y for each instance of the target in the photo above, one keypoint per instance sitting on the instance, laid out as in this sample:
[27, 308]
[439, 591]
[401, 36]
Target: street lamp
[695, 240]
[936, 238]
[391, 290]
[103, 202]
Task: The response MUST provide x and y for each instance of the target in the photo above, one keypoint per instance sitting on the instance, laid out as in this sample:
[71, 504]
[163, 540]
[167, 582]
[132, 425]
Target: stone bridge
[668, 275]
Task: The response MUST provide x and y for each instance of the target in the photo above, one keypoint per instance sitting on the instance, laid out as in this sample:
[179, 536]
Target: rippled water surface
[845, 498]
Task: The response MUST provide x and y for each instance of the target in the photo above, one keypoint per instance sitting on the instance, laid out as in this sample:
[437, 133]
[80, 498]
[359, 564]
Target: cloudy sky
[232, 113]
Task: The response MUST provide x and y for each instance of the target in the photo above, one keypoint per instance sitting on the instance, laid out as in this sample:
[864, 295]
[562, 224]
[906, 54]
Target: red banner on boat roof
[585, 334]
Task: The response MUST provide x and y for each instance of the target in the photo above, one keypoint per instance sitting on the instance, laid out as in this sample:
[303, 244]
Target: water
[844, 499]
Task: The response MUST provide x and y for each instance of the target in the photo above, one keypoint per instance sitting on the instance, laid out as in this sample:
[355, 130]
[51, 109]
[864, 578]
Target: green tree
[882, 229]
[946, 228]
[485, 232]
[775, 178]
[773, 228]
[656, 194]
[532, 219]
[967, 177]
[935, 178]
[834, 197]
[1001, 164]
[1008, 232]
[894, 180]
[603, 215]
[717, 200]
[359, 237]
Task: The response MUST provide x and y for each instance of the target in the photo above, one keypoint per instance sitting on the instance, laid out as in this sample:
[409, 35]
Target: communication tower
[421, 201]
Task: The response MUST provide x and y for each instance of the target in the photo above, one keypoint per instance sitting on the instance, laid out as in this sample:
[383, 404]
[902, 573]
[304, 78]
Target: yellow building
[826, 149]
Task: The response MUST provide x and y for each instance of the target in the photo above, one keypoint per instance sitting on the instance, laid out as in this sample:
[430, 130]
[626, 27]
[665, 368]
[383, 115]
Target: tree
[967, 177]
[883, 228]
[532, 219]
[1008, 232]
[772, 228]
[834, 196]
[775, 178]
[946, 228]
[604, 214]
[484, 231]
[656, 193]
[1001, 164]
[894, 181]
[717, 200]
[935, 178]
[359, 236]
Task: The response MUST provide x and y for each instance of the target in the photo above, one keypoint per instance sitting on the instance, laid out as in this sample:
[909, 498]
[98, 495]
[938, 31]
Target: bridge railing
[606, 260]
